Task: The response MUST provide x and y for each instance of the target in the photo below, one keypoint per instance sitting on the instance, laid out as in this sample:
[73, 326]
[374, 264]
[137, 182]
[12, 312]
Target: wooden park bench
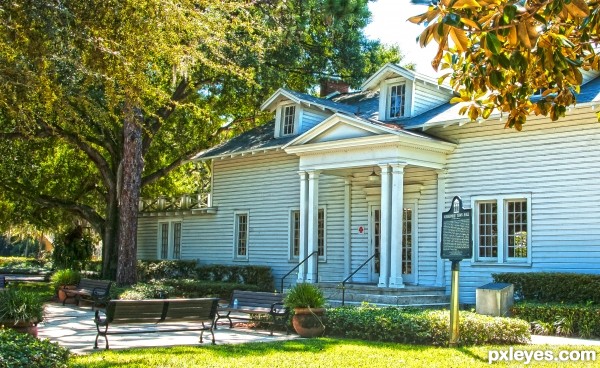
[94, 290]
[2, 282]
[155, 312]
[256, 303]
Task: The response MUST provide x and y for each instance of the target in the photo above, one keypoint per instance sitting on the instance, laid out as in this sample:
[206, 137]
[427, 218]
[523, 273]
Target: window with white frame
[397, 101]
[502, 229]
[241, 235]
[169, 240]
[295, 233]
[288, 120]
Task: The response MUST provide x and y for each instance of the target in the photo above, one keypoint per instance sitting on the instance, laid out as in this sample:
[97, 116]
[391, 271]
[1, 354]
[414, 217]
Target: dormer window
[397, 101]
[288, 119]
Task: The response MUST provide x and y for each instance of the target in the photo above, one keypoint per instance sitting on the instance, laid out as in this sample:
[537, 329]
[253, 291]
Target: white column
[396, 225]
[440, 279]
[384, 256]
[303, 224]
[347, 226]
[313, 225]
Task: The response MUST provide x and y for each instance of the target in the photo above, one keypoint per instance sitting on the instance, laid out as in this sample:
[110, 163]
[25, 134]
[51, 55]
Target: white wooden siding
[557, 162]
[310, 118]
[427, 97]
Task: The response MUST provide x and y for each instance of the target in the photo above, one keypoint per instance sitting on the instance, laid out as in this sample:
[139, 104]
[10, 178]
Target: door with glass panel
[409, 245]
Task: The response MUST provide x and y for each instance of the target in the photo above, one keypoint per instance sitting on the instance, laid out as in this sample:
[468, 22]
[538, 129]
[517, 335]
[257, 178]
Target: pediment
[337, 128]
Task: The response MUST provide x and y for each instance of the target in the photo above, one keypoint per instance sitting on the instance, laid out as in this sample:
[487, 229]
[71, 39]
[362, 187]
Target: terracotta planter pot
[25, 327]
[62, 296]
[308, 322]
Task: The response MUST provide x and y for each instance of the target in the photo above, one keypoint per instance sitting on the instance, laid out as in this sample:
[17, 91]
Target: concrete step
[393, 299]
[338, 303]
[334, 288]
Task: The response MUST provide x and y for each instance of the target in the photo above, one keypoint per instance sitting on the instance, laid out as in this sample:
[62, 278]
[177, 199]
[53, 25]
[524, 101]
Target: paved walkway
[73, 328]
[558, 340]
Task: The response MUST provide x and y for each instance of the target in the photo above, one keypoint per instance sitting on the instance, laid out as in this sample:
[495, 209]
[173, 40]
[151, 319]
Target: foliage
[560, 319]
[18, 247]
[180, 288]
[44, 290]
[311, 353]
[260, 276]
[83, 71]
[23, 265]
[499, 53]
[20, 350]
[553, 286]
[72, 249]
[422, 326]
[21, 306]
[158, 270]
[65, 277]
[304, 295]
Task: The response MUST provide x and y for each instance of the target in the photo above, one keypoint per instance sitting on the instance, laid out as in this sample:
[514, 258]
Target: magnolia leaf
[460, 39]
[492, 43]
[462, 4]
[473, 113]
[578, 8]
[470, 23]
[463, 110]
[523, 35]
[512, 36]
[418, 19]
[486, 112]
[454, 100]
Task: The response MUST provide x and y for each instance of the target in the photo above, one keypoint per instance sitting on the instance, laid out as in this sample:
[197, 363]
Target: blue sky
[389, 25]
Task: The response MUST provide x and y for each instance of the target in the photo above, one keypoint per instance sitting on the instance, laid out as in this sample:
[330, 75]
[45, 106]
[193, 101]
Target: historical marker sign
[457, 242]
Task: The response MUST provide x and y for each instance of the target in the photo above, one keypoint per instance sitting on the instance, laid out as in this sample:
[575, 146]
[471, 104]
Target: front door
[408, 244]
[375, 242]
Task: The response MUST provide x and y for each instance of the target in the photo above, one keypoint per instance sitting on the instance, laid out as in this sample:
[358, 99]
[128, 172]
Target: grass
[322, 352]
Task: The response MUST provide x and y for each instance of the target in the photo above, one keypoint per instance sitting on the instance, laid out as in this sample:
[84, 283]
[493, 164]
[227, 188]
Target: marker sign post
[457, 244]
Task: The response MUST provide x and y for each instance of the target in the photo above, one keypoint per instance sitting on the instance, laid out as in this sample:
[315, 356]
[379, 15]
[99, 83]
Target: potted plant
[66, 279]
[21, 310]
[307, 302]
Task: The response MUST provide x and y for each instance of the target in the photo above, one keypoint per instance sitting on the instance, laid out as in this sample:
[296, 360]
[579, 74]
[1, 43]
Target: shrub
[65, 277]
[19, 350]
[552, 287]
[422, 326]
[260, 276]
[21, 306]
[23, 265]
[158, 270]
[560, 319]
[72, 249]
[180, 288]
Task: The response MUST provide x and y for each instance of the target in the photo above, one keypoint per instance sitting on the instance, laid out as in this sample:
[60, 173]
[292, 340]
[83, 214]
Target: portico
[343, 146]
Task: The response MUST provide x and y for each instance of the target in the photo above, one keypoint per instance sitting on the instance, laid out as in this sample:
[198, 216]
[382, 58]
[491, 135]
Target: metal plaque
[457, 242]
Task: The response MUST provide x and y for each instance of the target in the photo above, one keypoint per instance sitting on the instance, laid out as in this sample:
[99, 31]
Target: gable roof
[390, 69]
[298, 97]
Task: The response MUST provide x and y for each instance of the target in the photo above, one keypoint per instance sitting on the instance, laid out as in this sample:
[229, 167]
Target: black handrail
[352, 274]
[298, 265]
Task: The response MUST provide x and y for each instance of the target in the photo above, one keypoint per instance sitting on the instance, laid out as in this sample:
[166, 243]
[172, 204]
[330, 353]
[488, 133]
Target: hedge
[552, 287]
[180, 288]
[560, 319]
[23, 265]
[429, 327]
[261, 276]
[21, 350]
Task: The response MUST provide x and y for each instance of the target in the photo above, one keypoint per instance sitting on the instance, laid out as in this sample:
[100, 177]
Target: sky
[389, 24]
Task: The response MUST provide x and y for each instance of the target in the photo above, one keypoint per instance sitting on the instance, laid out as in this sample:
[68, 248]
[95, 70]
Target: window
[169, 240]
[502, 229]
[295, 233]
[241, 236]
[288, 117]
[397, 101]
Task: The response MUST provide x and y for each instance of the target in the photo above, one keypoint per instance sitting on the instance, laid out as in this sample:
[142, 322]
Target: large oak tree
[99, 99]
[500, 52]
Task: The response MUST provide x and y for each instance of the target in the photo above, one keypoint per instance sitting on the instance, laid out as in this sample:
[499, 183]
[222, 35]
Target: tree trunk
[132, 166]
[110, 237]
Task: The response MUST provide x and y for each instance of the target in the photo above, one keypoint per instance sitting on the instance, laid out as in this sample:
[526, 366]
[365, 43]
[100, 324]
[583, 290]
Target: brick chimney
[329, 86]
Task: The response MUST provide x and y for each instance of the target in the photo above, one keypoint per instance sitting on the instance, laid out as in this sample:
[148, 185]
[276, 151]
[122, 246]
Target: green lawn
[314, 353]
